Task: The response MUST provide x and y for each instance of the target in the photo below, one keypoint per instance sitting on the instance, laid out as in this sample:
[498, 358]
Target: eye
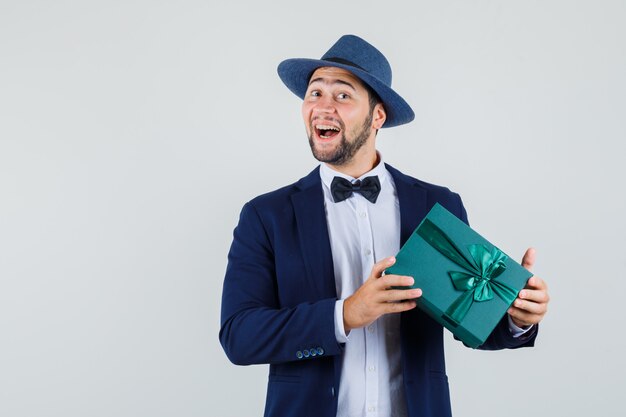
[314, 93]
[342, 96]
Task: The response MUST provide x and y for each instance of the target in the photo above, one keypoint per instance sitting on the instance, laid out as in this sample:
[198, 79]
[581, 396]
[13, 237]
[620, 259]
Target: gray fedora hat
[360, 58]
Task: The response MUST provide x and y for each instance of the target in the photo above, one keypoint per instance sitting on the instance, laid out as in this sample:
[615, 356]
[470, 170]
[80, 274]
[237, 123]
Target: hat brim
[296, 72]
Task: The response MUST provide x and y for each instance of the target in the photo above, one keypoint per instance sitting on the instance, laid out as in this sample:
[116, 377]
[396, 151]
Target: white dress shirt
[361, 234]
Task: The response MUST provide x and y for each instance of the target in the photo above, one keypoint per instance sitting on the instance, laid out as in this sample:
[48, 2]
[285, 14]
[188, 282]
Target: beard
[345, 149]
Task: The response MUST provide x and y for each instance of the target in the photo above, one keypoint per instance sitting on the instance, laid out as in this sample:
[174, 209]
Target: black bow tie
[369, 188]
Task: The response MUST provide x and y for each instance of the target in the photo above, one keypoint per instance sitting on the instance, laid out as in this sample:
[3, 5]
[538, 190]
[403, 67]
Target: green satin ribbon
[484, 267]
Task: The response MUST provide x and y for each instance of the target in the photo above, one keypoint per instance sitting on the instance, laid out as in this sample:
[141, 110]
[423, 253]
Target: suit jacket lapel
[413, 203]
[310, 215]
[308, 204]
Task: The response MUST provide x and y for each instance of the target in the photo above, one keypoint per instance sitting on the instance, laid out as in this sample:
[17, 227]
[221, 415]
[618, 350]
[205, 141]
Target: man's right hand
[375, 297]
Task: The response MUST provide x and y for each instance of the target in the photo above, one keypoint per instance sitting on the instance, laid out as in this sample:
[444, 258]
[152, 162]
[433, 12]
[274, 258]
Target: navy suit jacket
[279, 298]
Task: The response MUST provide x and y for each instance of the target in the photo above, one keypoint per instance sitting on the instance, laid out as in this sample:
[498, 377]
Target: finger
[399, 295]
[379, 267]
[530, 306]
[523, 317]
[528, 261]
[392, 280]
[538, 296]
[399, 307]
[537, 283]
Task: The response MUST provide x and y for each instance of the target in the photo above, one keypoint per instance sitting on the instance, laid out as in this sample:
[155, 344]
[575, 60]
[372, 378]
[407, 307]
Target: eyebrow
[335, 81]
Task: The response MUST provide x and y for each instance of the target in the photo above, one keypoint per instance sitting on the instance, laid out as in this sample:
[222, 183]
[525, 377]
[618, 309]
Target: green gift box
[467, 283]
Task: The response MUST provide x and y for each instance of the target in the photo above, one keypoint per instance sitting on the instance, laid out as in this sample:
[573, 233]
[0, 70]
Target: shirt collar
[327, 173]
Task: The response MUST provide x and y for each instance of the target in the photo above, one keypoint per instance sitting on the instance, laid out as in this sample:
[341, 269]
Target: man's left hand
[531, 303]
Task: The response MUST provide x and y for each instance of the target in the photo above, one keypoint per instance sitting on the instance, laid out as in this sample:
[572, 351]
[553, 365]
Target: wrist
[521, 325]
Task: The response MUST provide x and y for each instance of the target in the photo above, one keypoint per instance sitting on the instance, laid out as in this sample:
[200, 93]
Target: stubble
[345, 149]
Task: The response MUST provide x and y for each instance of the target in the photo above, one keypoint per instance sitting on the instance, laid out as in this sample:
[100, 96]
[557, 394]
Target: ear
[379, 116]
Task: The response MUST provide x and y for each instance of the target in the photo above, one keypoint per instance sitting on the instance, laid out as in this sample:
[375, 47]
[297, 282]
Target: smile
[327, 131]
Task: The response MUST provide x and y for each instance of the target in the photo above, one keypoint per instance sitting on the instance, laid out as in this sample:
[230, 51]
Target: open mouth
[327, 131]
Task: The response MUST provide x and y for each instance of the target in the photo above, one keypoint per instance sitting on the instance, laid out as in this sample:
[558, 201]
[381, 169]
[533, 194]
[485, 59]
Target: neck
[361, 163]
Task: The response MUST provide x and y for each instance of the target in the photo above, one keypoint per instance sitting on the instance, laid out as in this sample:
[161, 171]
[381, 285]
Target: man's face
[337, 116]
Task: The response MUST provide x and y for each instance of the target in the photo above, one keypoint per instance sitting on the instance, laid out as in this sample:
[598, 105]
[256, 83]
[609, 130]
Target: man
[304, 289]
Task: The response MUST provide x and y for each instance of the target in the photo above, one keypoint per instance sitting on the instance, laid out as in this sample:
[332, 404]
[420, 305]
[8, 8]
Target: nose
[324, 105]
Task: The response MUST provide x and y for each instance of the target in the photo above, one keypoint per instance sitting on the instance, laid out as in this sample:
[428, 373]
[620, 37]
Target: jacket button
[306, 353]
[320, 351]
[299, 355]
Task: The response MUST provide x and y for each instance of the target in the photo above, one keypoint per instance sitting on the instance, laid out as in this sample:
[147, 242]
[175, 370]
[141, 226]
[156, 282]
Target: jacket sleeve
[256, 325]
[501, 337]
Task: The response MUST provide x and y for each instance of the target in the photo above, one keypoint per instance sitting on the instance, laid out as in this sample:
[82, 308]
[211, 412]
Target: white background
[132, 132]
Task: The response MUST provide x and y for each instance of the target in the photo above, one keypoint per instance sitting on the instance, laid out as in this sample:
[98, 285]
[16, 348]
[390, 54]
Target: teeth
[326, 127]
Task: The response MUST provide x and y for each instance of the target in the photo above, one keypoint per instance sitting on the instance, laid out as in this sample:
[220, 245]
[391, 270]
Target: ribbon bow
[480, 282]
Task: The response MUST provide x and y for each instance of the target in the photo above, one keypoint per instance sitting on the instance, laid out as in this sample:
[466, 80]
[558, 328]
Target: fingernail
[522, 294]
[411, 281]
[391, 260]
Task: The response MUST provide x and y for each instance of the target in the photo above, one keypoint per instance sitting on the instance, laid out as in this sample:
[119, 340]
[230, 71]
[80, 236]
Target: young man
[304, 289]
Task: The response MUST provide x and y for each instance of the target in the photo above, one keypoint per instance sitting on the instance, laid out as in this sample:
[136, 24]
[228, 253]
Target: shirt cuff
[340, 332]
[515, 330]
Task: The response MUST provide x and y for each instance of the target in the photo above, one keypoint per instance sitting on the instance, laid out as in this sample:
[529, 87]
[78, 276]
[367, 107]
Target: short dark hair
[374, 99]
